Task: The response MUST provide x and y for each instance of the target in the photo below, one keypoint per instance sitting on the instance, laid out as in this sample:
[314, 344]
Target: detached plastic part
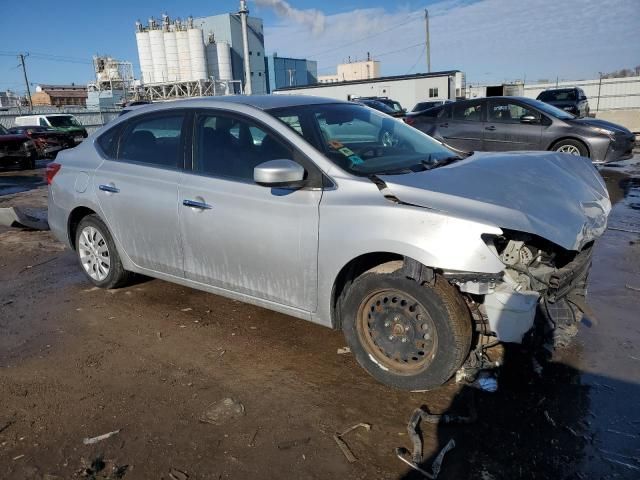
[14, 217]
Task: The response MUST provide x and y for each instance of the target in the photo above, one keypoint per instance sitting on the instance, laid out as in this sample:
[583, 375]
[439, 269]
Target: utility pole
[428, 41]
[26, 81]
[244, 12]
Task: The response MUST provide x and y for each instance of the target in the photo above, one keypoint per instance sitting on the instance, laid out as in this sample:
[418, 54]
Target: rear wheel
[98, 255]
[406, 335]
[572, 147]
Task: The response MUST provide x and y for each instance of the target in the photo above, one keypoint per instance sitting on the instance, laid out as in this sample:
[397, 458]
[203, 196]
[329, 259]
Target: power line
[418, 59]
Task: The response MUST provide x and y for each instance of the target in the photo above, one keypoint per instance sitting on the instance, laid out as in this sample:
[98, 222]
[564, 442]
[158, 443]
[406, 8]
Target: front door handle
[194, 204]
[444, 124]
[109, 188]
[491, 128]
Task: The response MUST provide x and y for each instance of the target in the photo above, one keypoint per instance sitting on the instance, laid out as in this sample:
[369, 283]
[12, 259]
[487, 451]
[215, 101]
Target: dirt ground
[151, 359]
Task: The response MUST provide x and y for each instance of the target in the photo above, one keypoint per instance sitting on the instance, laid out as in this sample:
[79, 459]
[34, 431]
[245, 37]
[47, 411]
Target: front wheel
[406, 335]
[572, 147]
[97, 254]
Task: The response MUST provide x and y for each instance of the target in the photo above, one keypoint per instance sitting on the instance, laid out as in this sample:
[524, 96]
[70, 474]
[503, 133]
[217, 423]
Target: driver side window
[231, 147]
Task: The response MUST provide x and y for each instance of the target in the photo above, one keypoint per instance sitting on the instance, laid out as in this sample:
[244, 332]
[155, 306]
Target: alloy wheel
[94, 253]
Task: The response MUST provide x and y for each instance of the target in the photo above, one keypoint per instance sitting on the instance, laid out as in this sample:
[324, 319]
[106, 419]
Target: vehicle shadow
[541, 427]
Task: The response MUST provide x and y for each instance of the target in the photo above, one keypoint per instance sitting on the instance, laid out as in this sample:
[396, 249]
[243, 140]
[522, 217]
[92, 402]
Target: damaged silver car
[332, 212]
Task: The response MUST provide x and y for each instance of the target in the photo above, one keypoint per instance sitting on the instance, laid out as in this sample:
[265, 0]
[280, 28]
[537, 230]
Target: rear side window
[432, 112]
[154, 140]
[43, 122]
[467, 112]
[108, 143]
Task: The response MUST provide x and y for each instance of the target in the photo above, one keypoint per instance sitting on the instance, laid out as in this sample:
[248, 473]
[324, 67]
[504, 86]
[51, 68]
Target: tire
[97, 254]
[406, 335]
[572, 147]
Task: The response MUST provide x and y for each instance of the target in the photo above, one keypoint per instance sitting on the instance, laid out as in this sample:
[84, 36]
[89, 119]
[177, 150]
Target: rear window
[568, 95]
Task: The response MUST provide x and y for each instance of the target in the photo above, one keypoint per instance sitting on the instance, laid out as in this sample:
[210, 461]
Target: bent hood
[559, 197]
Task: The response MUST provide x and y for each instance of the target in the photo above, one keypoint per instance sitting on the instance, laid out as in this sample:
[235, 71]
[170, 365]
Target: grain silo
[196, 49]
[224, 61]
[212, 59]
[184, 55]
[144, 53]
[171, 52]
[156, 37]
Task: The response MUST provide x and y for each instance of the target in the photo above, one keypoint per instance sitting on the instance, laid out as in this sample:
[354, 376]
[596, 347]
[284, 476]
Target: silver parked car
[338, 214]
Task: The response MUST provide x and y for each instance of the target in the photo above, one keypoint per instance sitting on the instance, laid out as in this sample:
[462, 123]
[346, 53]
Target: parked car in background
[572, 100]
[422, 106]
[371, 227]
[63, 122]
[392, 104]
[48, 140]
[381, 107]
[514, 123]
[16, 149]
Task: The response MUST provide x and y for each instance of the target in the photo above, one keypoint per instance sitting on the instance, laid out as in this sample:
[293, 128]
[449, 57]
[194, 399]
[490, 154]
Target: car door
[463, 127]
[138, 190]
[241, 236]
[511, 125]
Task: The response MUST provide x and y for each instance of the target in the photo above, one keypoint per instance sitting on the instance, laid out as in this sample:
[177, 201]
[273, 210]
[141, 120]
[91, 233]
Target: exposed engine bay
[537, 273]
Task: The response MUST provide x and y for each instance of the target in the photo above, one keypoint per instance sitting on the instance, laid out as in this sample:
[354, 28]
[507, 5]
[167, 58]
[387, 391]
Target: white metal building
[406, 89]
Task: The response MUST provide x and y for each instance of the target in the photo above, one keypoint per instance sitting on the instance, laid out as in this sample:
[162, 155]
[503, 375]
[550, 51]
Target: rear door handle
[492, 128]
[109, 188]
[194, 204]
[444, 124]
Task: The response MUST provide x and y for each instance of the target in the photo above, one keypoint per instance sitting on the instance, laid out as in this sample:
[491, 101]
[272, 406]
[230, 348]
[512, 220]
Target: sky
[490, 40]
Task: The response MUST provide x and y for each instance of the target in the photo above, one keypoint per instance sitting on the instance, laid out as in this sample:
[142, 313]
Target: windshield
[567, 95]
[63, 121]
[3, 131]
[362, 141]
[551, 110]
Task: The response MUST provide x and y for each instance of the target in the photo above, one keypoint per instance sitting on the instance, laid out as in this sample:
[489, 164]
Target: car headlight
[568, 109]
[604, 131]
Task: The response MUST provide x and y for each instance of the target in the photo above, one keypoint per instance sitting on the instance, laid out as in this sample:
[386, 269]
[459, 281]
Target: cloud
[489, 40]
[312, 18]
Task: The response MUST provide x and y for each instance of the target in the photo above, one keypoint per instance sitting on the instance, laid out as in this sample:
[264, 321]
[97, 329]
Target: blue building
[285, 72]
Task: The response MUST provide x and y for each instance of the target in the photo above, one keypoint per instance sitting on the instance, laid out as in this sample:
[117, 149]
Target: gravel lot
[153, 360]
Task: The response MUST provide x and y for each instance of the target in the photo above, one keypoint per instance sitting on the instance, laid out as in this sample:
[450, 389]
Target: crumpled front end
[537, 274]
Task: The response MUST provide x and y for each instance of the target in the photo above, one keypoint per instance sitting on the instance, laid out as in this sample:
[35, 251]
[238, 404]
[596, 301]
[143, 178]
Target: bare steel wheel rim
[94, 253]
[397, 332]
[570, 149]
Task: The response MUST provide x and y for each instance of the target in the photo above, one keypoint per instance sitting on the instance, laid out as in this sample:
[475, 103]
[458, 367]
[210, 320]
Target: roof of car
[263, 102]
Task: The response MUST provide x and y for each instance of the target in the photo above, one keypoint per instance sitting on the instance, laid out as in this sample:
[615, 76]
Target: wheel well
[76, 216]
[555, 142]
[353, 270]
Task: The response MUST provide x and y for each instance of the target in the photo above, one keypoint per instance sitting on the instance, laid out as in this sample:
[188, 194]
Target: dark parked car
[48, 140]
[393, 107]
[16, 150]
[516, 123]
[572, 100]
[422, 106]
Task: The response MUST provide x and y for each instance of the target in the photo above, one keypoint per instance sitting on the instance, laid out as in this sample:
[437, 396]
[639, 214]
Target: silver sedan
[337, 214]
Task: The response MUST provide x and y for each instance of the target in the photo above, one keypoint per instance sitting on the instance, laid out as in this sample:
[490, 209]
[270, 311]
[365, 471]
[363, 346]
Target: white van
[63, 122]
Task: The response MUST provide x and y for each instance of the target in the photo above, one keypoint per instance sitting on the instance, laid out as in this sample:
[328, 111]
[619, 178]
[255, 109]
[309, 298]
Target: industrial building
[60, 95]
[289, 72]
[202, 56]
[112, 87]
[9, 99]
[350, 71]
[406, 89]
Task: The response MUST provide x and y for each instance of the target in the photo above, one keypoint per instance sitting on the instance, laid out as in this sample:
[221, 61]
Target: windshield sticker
[335, 144]
[347, 152]
[355, 160]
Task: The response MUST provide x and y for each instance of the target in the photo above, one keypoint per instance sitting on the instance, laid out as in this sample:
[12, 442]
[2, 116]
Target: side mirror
[279, 173]
[528, 119]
